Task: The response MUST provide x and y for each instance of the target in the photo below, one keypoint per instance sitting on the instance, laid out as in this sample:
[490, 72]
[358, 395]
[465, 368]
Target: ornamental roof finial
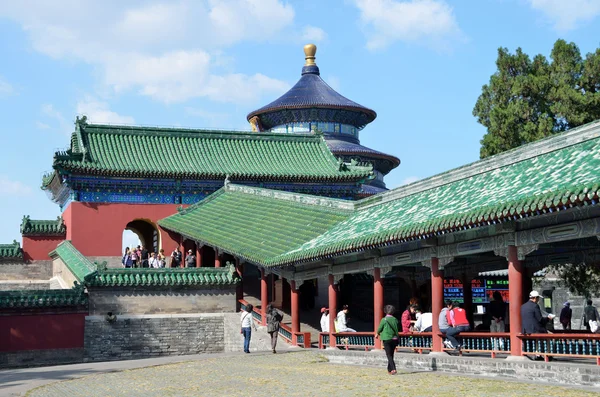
[309, 54]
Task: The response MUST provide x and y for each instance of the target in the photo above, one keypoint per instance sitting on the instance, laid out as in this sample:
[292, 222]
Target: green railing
[483, 342]
[348, 340]
[561, 345]
[415, 341]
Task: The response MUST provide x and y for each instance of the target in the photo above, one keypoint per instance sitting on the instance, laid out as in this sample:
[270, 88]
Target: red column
[295, 311]
[263, 296]
[332, 309]
[217, 258]
[437, 302]
[198, 255]
[377, 303]
[515, 297]
[468, 298]
[183, 253]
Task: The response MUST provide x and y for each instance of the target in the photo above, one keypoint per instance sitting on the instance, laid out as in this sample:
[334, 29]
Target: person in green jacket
[388, 333]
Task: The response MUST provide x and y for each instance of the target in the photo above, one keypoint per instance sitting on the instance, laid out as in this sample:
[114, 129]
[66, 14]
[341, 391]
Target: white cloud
[567, 14]
[171, 51]
[409, 179]
[5, 88]
[50, 112]
[13, 188]
[313, 34]
[333, 81]
[99, 113]
[41, 126]
[423, 21]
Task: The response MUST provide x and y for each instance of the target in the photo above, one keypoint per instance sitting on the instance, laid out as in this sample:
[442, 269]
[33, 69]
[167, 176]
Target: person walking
[532, 320]
[324, 319]
[274, 318]
[565, 316]
[247, 324]
[126, 261]
[134, 257]
[154, 262]
[590, 313]
[388, 333]
[145, 256]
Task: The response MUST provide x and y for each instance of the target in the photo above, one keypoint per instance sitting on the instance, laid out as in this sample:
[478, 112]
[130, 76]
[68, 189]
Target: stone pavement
[301, 373]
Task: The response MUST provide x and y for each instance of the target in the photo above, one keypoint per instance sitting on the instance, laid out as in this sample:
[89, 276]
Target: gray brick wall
[30, 358]
[161, 301]
[36, 270]
[11, 285]
[132, 337]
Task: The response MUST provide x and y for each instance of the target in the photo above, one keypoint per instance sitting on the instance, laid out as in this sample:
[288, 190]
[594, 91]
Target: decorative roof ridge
[12, 250]
[191, 132]
[18, 299]
[78, 264]
[535, 149]
[305, 199]
[32, 227]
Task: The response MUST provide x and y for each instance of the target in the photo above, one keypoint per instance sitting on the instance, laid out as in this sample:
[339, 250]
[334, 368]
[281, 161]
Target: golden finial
[309, 54]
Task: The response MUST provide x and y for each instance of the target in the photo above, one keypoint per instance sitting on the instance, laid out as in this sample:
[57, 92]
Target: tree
[526, 100]
[581, 279]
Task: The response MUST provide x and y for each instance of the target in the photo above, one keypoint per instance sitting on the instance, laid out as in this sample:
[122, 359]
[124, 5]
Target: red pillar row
[515, 297]
[295, 311]
[437, 302]
[377, 303]
[332, 309]
[263, 296]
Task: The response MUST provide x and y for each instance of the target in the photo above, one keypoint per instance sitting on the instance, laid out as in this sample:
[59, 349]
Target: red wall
[37, 247]
[96, 229]
[41, 331]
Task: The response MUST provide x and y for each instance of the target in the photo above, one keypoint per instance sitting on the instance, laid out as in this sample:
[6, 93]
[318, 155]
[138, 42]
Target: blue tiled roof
[370, 190]
[304, 100]
[341, 147]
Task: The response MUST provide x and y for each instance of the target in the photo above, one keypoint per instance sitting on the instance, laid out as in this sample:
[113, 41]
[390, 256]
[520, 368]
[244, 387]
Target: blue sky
[419, 64]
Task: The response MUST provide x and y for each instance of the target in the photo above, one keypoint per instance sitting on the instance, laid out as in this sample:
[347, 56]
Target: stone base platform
[585, 374]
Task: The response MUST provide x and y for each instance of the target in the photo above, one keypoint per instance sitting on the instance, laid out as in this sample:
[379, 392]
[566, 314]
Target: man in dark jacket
[532, 320]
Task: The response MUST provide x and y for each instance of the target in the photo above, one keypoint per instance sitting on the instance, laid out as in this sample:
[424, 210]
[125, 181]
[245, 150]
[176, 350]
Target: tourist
[190, 259]
[406, 320]
[134, 257]
[274, 318]
[531, 316]
[424, 322]
[144, 256]
[126, 261]
[457, 318]
[247, 325]
[154, 262]
[443, 322]
[590, 313]
[176, 257]
[388, 333]
[161, 257]
[565, 316]
[497, 310]
[342, 321]
[324, 319]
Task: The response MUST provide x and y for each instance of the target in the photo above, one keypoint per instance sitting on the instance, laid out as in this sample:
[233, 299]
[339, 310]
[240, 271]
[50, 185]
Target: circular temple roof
[312, 99]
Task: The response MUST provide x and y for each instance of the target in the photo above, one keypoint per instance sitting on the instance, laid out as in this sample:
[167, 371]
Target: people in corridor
[424, 322]
[274, 318]
[388, 333]
[565, 316]
[247, 324]
[342, 321]
[532, 320]
[176, 257]
[443, 320]
[406, 320]
[324, 319]
[190, 259]
[457, 318]
[590, 313]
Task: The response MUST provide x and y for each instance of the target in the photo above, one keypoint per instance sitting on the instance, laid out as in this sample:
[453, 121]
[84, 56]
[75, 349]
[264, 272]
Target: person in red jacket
[457, 318]
[406, 320]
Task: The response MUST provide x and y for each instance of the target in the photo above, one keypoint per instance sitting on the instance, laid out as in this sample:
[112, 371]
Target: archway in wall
[147, 233]
[130, 240]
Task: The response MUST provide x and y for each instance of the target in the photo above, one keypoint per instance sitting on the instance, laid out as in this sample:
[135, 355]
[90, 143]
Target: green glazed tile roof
[122, 151]
[257, 224]
[78, 264]
[32, 227]
[42, 298]
[11, 250]
[551, 174]
[212, 277]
